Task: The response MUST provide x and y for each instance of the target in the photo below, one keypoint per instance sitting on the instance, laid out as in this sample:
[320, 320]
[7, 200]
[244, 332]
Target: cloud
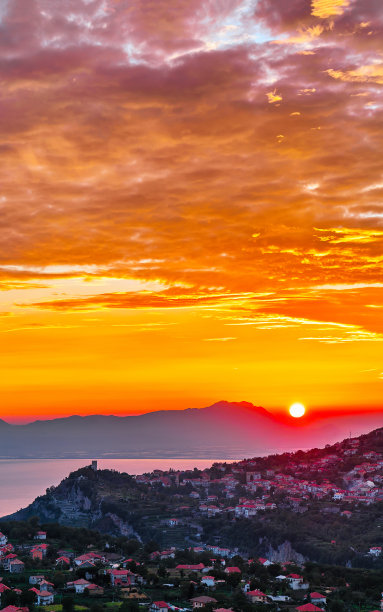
[219, 157]
[328, 8]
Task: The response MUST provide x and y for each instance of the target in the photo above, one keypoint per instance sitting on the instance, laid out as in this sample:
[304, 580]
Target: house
[14, 609]
[256, 596]
[309, 607]
[63, 561]
[232, 570]
[8, 559]
[16, 566]
[36, 554]
[173, 522]
[41, 535]
[159, 606]
[318, 598]
[95, 589]
[296, 582]
[90, 558]
[200, 602]
[208, 581]
[375, 551]
[78, 585]
[191, 568]
[120, 577]
[264, 562]
[45, 598]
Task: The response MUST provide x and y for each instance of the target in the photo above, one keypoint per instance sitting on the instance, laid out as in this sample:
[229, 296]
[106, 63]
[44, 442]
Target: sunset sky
[190, 204]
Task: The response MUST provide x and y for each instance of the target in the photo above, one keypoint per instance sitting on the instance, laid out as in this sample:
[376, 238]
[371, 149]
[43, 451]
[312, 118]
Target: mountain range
[223, 430]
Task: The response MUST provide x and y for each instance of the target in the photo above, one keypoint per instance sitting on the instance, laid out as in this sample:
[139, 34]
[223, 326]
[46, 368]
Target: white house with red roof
[41, 535]
[375, 551]
[159, 606]
[297, 582]
[78, 585]
[208, 581]
[232, 570]
[45, 598]
[318, 598]
[256, 596]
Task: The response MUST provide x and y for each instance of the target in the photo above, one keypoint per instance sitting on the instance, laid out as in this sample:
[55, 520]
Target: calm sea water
[22, 480]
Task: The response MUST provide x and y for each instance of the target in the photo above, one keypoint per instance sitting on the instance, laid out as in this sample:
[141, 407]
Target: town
[299, 532]
[38, 573]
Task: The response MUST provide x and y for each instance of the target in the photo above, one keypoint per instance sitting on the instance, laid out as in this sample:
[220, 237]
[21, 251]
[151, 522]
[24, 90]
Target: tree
[68, 604]
[129, 606]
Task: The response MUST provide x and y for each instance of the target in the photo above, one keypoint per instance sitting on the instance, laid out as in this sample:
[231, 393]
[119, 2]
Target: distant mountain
[223, 430]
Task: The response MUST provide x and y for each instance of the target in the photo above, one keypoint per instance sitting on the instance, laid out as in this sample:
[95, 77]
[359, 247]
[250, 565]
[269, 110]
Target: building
[45, 598]
[200, 602]
[208, 581]
[256, 596]
[318, 598]
[78, 585]
[16, 566]
[309, 607]
[159, 606]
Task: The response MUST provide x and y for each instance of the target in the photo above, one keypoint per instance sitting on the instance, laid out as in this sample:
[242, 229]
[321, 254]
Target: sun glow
[297, 410]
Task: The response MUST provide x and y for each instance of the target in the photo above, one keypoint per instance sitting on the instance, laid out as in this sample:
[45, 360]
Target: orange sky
[190, 204]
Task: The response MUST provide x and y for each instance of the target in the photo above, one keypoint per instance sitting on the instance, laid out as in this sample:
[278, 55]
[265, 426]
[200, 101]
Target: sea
[22, 480]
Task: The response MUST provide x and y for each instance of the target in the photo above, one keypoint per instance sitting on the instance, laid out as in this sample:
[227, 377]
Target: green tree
[68, 604]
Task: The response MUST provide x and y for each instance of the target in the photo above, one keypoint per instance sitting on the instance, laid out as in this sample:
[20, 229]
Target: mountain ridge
[223, 429]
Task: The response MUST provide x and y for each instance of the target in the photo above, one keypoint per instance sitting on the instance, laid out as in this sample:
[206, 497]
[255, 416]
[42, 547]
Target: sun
[297, 410]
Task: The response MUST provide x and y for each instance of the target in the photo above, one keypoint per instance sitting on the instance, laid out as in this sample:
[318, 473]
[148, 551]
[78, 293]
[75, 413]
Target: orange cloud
[166, 165]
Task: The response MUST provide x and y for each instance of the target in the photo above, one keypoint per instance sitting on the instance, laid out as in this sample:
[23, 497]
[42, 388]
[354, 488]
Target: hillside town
[298, 532]
[341, 473]
[39, 574]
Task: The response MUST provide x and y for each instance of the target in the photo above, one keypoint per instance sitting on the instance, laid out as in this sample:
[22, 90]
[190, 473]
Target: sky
[190, 205]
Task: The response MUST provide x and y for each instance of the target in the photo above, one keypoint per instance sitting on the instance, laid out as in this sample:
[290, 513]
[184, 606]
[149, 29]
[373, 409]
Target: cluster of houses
[362, 484]
[105, 570]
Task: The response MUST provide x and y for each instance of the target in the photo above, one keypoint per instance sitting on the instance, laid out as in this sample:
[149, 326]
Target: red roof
[256, 593]
[161, 604]
[317, 596]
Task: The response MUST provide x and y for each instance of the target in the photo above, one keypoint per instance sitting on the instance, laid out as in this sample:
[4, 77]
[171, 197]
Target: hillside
[324, 505]
[225, 429]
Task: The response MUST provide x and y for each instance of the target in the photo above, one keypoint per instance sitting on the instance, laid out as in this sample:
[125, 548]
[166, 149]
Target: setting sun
[297, 410]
